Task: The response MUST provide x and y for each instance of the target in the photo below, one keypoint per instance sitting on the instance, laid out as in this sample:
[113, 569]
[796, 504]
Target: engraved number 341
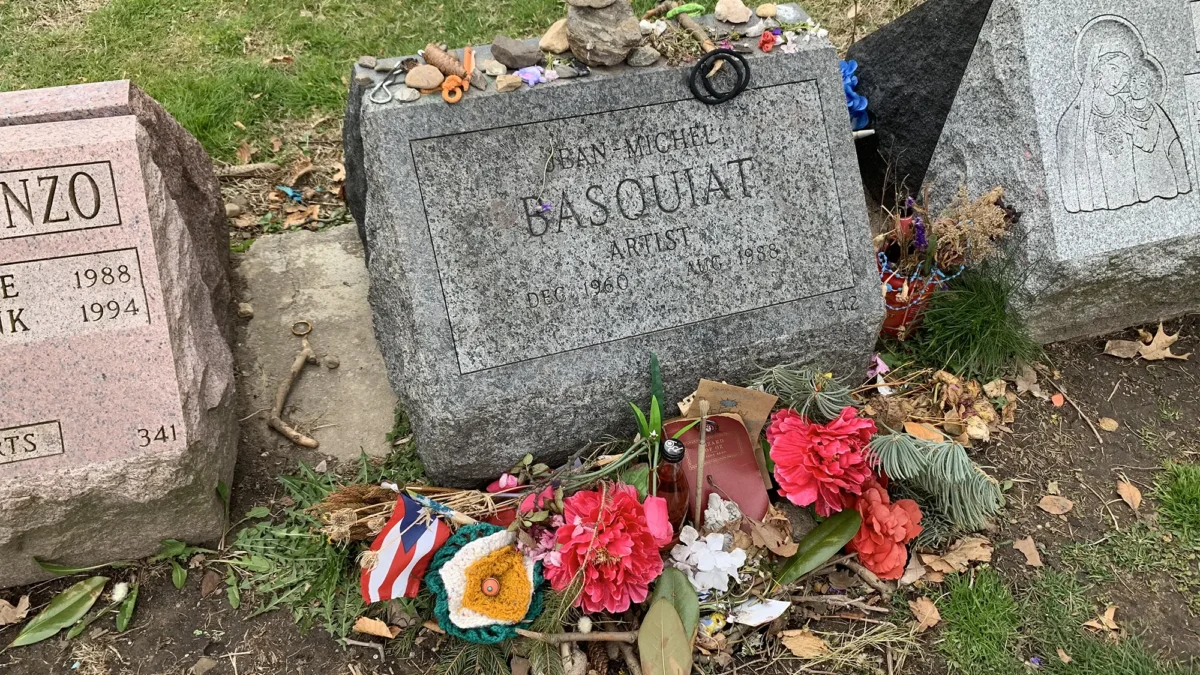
[160, 435]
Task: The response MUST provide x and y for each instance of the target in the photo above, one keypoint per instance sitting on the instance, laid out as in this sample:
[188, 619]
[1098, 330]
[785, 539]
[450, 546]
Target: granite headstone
[1088, 113]
[528, 251]
[117, 420]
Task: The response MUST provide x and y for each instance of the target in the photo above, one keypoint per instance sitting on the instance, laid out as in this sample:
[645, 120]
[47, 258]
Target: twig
[276, 420]
[840, 601]
[631, 660]
[869, 577]
[259, 170]
[369, 645]
[562, 638]
[1105, 504]
[1077, 409]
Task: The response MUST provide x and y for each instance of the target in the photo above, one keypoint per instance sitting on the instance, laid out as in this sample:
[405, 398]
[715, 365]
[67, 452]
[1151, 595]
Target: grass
[313, 579]
[971, 328]
[981, 624]
[1178, 493]
[1170, 549]
[988, 631]
[241, 70]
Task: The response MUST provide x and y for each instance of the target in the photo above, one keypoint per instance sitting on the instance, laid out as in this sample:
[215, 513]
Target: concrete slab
[318, 277]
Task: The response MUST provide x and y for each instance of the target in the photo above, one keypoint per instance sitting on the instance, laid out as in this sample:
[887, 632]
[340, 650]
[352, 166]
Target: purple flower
[1037, 661]
[920, 239]
[545, 207]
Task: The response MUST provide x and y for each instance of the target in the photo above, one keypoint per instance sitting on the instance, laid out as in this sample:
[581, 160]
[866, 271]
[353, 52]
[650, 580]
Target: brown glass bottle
[672, 483]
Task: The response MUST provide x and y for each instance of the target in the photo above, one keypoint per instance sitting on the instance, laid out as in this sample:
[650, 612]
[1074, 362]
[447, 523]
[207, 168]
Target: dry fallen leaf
[773, 538]
[1063, 656]
[1109, 424]
[244, 153]
[520, 665]
[977, 429]
[1130, 493]
[804, 644]
[10, 614]
[960, 556]
[1027, 382]
[1154, 348]
[301, 215]
[203, 665]
[913, 573]
[1056, 505]
[1033, 557]
[299, 169]
[995, 388]
[276, 144]
[210, 583]
[1107, 621]
[339, 173]
[923, 432]
[1052, 488]
[369, 626]
[925, 612]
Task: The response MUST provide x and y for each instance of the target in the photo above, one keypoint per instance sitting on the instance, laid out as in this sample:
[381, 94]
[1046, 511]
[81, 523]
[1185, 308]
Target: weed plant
[1178, 493]
[971, 327]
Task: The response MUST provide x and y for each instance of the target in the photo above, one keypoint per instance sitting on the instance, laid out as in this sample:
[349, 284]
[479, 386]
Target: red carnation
[886, 530]
[605, 536]
[822, 464]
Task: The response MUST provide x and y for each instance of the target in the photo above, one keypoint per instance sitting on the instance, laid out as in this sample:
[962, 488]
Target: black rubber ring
[699, 76]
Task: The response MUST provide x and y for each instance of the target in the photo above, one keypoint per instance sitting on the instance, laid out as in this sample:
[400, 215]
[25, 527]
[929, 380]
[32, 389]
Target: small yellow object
[503, 572]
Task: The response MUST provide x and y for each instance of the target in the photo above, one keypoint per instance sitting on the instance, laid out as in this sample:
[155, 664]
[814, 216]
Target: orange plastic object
[468, 65]
[452, 89]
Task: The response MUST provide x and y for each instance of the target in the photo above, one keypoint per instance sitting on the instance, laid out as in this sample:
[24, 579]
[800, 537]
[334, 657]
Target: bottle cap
[673, 450]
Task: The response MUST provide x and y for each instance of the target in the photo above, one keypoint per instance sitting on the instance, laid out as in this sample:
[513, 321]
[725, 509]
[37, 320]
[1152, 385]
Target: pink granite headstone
[116, 417]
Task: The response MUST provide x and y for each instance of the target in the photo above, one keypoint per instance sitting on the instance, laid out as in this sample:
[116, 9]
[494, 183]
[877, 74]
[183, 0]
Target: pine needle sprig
[817, 395]
[944, 473]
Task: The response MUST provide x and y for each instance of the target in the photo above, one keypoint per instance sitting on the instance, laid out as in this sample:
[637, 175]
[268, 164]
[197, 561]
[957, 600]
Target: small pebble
[387, 65]
[479, 80]
[232, 210]
[331, 362]
[245, 310]
[424, 77]
[406, 94]
[506, 83]
[367, 62]
[643, 56]
[364, 80]
[494, 68]
[766, 10]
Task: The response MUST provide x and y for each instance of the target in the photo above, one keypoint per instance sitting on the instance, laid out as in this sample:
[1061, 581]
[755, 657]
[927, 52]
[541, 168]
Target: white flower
[720, 513]
[705, 560]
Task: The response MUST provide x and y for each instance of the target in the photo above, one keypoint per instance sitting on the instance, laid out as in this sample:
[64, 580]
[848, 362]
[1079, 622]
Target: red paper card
[729, 460]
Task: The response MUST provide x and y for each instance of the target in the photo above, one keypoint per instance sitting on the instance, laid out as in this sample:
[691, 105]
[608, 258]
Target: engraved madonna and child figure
[1116, 144]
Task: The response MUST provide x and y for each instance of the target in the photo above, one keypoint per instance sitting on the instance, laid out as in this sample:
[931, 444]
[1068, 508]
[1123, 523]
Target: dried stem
[698, 508]
[631, 660]
[276, 420]
[562, 638]
[869, 578]
[1077, 409]
[839, 601]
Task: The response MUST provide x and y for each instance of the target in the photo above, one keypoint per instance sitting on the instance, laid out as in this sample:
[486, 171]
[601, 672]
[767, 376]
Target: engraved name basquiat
[630, 206]
[57, 199]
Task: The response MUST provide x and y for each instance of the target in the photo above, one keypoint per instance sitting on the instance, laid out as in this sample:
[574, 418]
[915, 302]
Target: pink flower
[820, 464]
[504, 483]
[886, 530]
[537, 502]
[607, 543]
[657, 520]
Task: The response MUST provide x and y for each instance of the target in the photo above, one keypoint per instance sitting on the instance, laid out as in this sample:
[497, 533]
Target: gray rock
[105, 495]
[643, 56]
[364, 80]
[790, 13]
[732, 11]
[367, 62]
[801, 519]
[516, 54]
[405, 94]
[245, 310]
[233, 210]
[1110, 228]
[507, 83]
[496, 339]
[603, 37]
[494, 68]
[331, 362]
[592, 4]
[573, 69]
[910, 80]
[479, 80]
[387, 65]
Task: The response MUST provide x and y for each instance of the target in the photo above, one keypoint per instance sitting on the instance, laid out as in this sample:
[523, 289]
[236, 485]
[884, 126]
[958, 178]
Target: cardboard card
[752, 405]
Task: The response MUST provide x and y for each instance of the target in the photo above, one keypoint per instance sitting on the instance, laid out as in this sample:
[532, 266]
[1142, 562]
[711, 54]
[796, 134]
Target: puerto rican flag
[405, 546]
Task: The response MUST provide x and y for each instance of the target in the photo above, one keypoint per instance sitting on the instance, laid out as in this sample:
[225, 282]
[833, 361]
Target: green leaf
[674, 586]
[665, 648]
[171, 548]
[178, 574]
[643, 424]
[232, 592]
[64, 570]
[259, 512]
[639, 477]
[254, 563]
[655, 419]
[686, 429]
[819, 546]
[125, 614]
[65, 609]
[656, 381]
[223, 493]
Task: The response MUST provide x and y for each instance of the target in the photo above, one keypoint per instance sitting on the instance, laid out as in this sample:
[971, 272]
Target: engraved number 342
[160, 435]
